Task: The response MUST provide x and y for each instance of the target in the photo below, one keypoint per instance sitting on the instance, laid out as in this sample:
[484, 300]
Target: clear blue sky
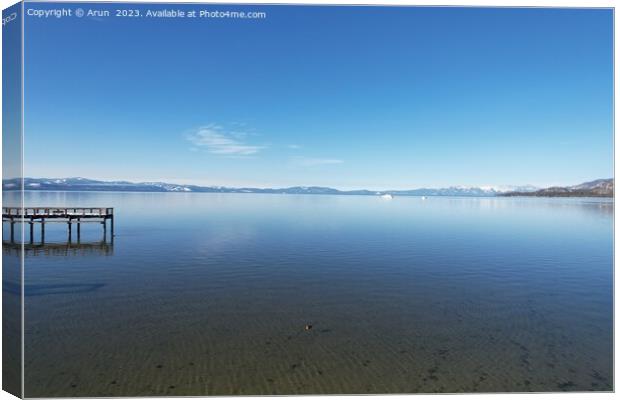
[347, 97]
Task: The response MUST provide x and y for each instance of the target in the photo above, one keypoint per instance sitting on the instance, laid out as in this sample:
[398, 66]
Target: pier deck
[68, 215]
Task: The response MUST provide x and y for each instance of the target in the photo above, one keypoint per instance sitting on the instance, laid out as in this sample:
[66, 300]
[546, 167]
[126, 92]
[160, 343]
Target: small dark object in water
[566, 385]
[307, 327]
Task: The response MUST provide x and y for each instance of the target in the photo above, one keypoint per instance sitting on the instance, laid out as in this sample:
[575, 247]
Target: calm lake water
[210, 294]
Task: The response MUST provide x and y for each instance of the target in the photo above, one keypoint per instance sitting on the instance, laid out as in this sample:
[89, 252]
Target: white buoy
[387, 196]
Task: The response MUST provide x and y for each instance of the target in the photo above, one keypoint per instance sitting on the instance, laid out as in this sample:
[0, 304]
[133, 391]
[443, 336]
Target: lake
[212, 294]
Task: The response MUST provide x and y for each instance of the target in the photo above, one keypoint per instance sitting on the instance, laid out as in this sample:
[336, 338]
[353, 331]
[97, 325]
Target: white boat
[387, 196]
[423, 197]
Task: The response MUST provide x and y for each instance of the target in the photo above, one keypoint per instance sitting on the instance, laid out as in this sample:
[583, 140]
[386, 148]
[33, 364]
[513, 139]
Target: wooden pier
[67, 215]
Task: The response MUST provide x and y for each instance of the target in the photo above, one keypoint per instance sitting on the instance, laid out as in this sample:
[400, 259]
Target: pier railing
[56, 212]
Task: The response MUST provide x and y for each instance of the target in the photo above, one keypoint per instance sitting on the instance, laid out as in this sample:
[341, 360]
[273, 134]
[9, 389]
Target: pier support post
[105, 230]
[12, 231]
[69, 225]
[78, 230]
[31, 231]
[42, 231]
[112, 227]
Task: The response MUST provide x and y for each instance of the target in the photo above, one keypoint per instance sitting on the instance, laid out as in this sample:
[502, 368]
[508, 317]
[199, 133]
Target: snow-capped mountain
[479, 191]
[597, 188]
[83, 184]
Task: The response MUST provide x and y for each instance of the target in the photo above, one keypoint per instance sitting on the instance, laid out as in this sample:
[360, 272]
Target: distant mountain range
[83, 184]
[601, 187]
[597, 188]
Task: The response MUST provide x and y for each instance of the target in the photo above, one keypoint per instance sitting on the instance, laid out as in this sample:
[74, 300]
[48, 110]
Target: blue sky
[347, 97]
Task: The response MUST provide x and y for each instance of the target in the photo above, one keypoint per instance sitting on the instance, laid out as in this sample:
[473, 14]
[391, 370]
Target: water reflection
[102, 248]
[42, 290]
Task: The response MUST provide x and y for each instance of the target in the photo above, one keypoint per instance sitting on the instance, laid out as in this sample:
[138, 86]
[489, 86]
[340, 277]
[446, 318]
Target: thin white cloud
[294, 146]
[313, 162]
[216, 140]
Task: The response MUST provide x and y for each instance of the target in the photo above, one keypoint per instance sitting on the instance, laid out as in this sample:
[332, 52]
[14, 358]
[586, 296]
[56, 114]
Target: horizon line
[282, 187]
